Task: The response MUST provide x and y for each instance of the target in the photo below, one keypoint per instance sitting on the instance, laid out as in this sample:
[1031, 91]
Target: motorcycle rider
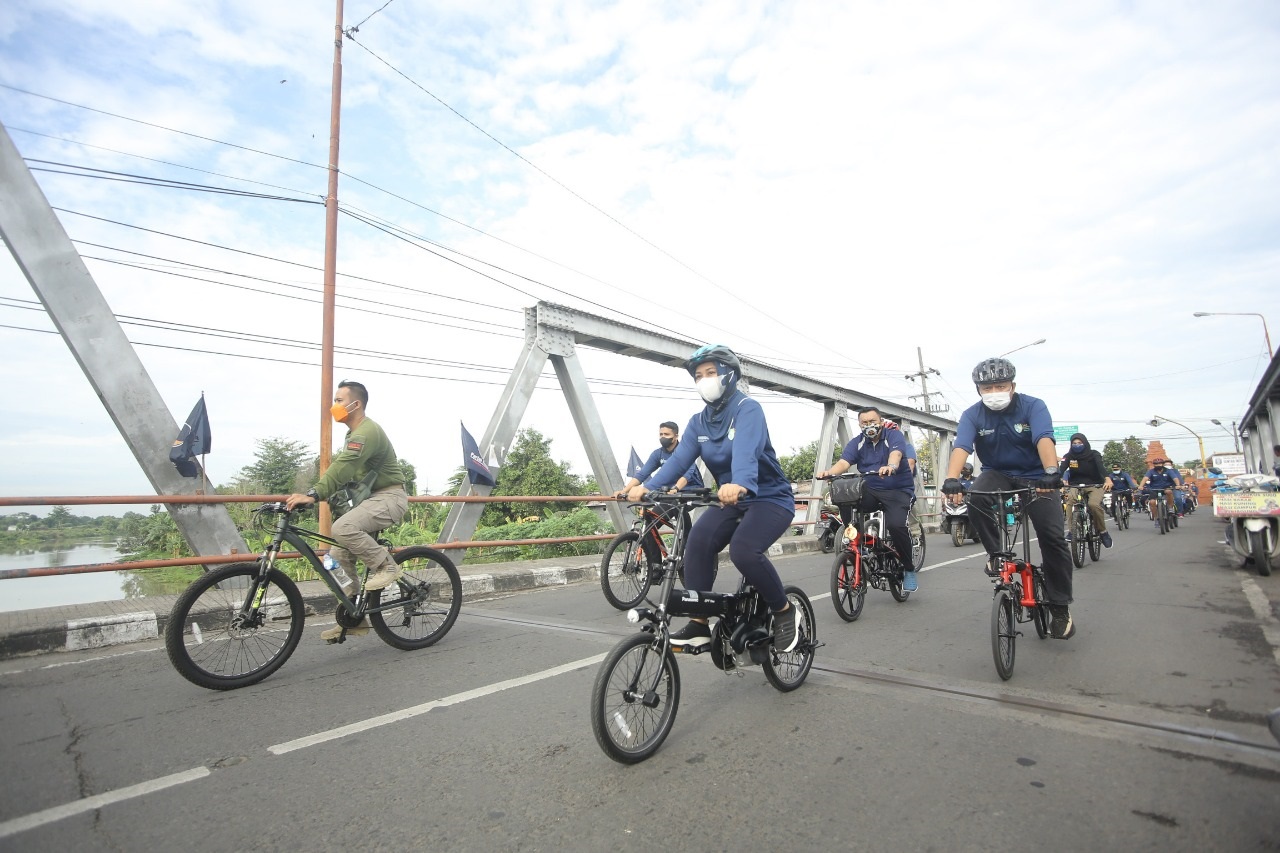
[1083, 466]
[966, 476]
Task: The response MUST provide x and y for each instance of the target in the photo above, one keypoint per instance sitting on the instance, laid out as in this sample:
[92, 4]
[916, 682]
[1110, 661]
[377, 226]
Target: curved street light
[1265, 333]
[1235, 436]
[1024, 346]
[1155, 422]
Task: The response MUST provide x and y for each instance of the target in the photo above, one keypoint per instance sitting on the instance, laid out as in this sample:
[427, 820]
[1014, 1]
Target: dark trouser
[1046, 519]
[896, 503]
[748, 531]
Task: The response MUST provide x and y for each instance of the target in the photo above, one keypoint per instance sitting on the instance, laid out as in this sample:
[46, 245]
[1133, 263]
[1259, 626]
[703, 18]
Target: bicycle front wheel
[848, 587]
[627, 570]
[229, 629]
[787, 670]
[1078, 543]
[630, 716]
[918, 544]
[1004, 633]
[420, 607]
[1095, 546]
[1040, 615]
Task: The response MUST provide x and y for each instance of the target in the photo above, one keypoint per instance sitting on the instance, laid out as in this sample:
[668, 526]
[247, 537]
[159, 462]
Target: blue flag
[634, 464]
[477, 472]
[194, 439]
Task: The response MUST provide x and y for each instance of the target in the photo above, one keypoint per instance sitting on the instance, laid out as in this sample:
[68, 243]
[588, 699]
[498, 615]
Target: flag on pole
[634, 464]
[477, 472]
[194, 439]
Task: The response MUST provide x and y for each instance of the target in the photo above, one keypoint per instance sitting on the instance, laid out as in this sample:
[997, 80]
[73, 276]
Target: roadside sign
[1064, 433]
[1231, 464]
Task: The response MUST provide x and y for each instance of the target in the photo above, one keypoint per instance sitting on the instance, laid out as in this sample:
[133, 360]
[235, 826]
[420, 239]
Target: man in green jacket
[365, 450]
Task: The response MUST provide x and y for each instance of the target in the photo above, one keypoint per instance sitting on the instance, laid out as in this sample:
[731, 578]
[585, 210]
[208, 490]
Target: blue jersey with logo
[1122, 482]
[868, 457]
[742, 455]
[1006, 441]
[658, 458]
[1165, 479]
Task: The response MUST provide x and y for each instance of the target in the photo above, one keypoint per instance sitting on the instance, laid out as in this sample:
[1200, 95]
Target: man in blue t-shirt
[880, 455]
[668, 441]
[1013, 436]
[1162, 477]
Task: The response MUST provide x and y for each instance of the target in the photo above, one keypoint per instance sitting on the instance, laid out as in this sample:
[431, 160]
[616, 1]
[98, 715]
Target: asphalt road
[1145, 731]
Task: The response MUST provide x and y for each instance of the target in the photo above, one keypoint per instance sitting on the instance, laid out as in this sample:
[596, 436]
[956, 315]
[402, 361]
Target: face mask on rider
[1077, 448]
[340, 412]
[871, 431]
[997, 401]
[710, 388]
[667, 443]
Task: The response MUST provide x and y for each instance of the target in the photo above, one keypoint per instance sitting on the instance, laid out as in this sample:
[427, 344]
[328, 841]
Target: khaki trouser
[1095, 507]
[380, 510]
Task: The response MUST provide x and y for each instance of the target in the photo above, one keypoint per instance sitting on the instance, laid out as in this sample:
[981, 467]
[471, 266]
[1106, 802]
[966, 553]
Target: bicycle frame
[1010, 566]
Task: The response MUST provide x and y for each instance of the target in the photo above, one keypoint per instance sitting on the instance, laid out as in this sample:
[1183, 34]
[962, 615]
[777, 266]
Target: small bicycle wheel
[1095, 546]
[918, 543]
[1003, 633]
[848, 587]
[627, 570]
[1040, 615]
[787, 670]
[895, 589]
[1078, 542]
[421, 607]
[229, 630]
[631, 715]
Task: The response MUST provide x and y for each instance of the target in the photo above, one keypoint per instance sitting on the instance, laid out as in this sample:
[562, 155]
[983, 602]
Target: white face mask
[710, 388]
[997, 401]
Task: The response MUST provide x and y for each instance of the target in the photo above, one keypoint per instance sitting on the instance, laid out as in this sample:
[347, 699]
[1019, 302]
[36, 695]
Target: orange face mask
[339, 412]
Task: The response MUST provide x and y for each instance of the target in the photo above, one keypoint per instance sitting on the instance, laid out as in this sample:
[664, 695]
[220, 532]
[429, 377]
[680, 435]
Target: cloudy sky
[825, 186]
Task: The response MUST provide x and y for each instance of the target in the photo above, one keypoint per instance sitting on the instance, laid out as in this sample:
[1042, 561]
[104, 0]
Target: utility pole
[923, 373]
[330, 264]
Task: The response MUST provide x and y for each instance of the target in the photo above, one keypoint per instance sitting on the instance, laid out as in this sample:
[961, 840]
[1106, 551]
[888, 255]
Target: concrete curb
[94, 628]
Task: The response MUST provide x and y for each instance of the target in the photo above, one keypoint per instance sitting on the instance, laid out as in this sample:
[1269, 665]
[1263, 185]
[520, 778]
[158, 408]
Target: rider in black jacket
[1083, 466]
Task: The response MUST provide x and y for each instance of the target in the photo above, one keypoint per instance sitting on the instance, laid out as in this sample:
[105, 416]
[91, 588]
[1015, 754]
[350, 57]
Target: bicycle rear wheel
[1004, 634]
[848, 587]
[424, 602]
[629, 720]
[627, 569]
[229, 630]
[787, 670]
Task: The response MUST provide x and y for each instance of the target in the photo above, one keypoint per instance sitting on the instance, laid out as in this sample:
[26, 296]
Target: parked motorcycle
[829, 528]
[1251, 505]
[955, 521]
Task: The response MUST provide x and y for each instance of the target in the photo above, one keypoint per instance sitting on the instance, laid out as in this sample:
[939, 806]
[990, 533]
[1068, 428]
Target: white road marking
[418, 710]
[1262, 609]
[88, 804]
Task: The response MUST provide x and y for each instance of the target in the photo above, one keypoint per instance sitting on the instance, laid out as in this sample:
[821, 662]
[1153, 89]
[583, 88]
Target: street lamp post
[1235, 436]
[1266, 334]
[1024, 346]
[1155, 422]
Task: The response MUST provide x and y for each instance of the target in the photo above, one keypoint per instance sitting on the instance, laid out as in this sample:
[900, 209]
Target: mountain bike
[867, 561]
[236, 625]
[1084, 536]
[632, 560]
[637, 690]
[1121, 509]
[1158, 508]
[1019, 594]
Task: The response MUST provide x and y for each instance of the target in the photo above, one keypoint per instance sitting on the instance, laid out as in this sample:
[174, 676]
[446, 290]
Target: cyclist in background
[668, 441]
[1122, 485]
[1083, 467]
[1162, 477]
[756, 502]
[882, 452]
[1013, 435]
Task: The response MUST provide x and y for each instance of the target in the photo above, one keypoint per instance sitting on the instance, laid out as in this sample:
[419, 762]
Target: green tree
[58, 518]
[1130, 455]
[530, 470]
[410, 476]
[280, 467]
[800, 464]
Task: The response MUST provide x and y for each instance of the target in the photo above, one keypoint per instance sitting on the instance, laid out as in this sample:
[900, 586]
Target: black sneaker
[784, 630]
[1106, 539]
[1061, 627]
[694, 635]
[992, 568]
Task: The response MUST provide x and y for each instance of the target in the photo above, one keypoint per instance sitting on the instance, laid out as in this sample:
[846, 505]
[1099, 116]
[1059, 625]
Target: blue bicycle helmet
[726, 362]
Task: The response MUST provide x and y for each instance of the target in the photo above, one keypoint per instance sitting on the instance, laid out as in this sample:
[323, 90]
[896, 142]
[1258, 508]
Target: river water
[57, 590]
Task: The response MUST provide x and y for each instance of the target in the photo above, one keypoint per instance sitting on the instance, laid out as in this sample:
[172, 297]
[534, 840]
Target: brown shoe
[383, 579]
[331, 635]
